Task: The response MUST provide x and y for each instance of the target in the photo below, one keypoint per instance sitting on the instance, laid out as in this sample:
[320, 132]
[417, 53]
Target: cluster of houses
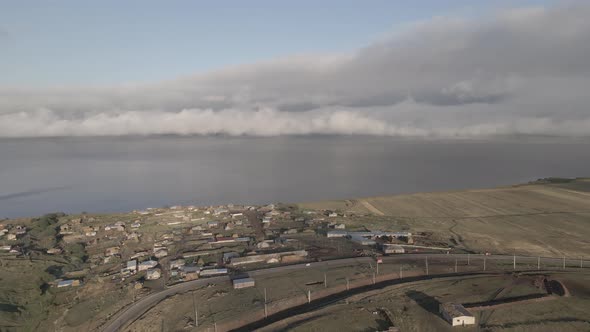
[12, 232]
[185, 243]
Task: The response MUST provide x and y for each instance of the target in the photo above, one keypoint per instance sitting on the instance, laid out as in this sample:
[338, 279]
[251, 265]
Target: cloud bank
[522, 71]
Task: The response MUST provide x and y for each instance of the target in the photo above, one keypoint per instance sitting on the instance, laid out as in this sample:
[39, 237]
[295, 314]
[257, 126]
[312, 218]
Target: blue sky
[105, 42]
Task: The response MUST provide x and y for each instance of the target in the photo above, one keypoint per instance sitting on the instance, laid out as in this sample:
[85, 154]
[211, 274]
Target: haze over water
[92, 174]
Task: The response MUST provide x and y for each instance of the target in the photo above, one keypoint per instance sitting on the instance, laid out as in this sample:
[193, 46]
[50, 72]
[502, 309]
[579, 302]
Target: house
[5, 248]
[229, 255]
[212, 272]
[118, 228]
[146, 265]
[160, 252]
[65, 228]
[135, 225]
[15, 250]
[219, 211]
[267, 220]
[20, 230]
[251, 259]
[54, 251]
[153, 274]
[262, 245]
[243, 283]
[392, 248]
[87, 229]
[213, 224]
[363, 240]
[112, 251]
[177, 264]
[68, 283]
[11, 237]
[190, 269]
[456, 314]
[132, 265]
[333, 214]
[223, 239]
[336, 233]
[339, 226]
[140, 254]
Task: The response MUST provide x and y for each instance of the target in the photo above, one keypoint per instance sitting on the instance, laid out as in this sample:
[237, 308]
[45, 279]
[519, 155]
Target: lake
[114, 174]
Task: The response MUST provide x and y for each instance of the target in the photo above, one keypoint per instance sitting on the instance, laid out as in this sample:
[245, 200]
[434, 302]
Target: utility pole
[539, 263]
[455, 265]
[426, 265]
[401, 272]
[308, 296]
[514, 262]
[484, 263]
[265, 309]
[373, 278]
[325, 280]
[196, 313]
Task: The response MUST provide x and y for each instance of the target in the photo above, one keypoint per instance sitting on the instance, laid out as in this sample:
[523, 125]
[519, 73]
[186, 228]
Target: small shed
[68, 283]
[243, 283]
[456, 314]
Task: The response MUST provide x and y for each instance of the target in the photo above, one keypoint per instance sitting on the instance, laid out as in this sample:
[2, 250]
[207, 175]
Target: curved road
[137, 309]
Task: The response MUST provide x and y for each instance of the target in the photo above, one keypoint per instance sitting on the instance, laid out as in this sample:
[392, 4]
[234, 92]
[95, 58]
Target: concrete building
[243, 283]
[456, 314]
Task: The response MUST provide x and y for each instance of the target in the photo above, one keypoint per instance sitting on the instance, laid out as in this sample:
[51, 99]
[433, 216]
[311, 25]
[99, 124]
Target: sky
[266, 68]
[106, 42]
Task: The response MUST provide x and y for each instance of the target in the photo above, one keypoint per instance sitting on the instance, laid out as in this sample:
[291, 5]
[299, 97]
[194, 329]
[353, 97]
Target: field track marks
[371, 207]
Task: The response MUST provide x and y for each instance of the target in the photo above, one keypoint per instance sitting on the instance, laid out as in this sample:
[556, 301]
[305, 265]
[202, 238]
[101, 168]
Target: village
[157, 247]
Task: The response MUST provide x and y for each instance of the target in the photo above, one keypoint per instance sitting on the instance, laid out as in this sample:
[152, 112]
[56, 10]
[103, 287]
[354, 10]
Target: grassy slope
[539, 219]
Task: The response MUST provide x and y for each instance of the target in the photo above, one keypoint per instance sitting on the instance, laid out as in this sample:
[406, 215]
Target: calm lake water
[121, 174]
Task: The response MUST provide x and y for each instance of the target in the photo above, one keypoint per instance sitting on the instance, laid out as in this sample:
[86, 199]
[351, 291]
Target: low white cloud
[522, 71]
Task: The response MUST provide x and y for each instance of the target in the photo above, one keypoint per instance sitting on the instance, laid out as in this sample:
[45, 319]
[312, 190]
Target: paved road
[138, 308]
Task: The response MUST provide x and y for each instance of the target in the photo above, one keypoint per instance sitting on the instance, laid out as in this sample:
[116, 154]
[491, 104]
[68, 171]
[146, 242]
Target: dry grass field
[414, 307]
[536, 219]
